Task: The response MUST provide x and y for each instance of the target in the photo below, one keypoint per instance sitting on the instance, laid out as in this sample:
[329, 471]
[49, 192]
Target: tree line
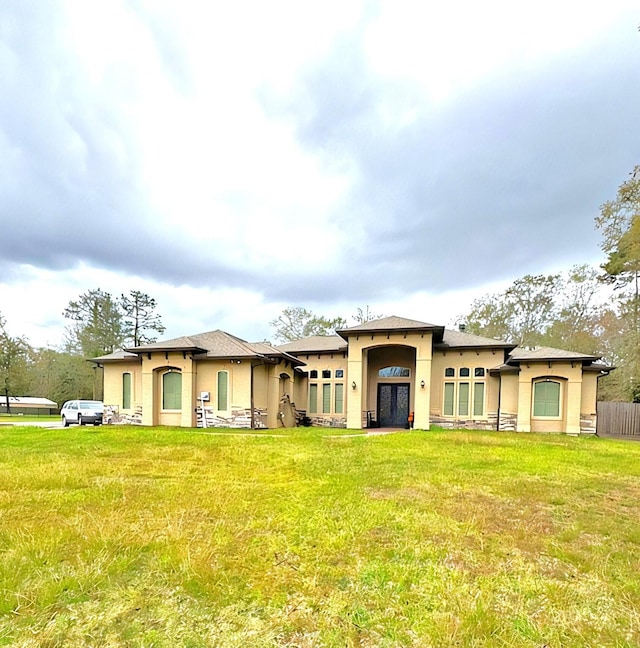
[98, 324]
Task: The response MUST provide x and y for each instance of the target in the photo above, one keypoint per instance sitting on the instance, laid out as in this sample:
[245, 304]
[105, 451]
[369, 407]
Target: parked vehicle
[82, 412]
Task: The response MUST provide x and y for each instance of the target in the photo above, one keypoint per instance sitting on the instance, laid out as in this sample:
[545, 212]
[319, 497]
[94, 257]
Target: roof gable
[391, 324]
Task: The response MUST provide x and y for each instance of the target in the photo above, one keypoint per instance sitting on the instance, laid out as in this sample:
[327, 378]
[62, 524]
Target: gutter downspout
[499, 401]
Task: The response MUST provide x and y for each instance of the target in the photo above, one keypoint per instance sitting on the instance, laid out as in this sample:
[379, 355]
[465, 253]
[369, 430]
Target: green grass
[119, 536]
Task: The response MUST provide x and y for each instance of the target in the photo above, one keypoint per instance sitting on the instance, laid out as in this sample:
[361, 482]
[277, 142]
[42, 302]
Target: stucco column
[188, 415]
[148, 397]
[273, 397]
[524, 404]
[356, 398]
[573, 401]
[422, 398]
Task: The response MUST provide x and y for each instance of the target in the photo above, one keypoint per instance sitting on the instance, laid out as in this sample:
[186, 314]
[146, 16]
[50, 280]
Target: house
[385, 373]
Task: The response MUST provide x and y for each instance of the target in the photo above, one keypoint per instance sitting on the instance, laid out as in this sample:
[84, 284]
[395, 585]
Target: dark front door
[393, 404]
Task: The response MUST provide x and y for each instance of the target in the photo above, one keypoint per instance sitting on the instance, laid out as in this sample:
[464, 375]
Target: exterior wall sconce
[422, 384]
[353, 385]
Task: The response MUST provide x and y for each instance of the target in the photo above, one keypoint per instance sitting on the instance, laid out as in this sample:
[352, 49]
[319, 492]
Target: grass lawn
[117, 536]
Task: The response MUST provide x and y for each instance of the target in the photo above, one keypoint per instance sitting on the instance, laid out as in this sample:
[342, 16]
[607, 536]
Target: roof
[520, 354]
[215, 344]
[460, 339]
[32, 401]
[118, 354]
[315, 344]
[389, 325]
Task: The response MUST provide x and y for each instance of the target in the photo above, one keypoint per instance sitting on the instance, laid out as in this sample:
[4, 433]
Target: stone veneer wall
[112, 416]
[588, 423]
[508, 422]
[240, 418]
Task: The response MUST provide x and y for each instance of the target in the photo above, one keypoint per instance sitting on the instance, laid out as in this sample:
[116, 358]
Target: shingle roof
[118, 354]
[520, 354]
[392, 323]
[215, 344]
[460, 339]
[315, 344]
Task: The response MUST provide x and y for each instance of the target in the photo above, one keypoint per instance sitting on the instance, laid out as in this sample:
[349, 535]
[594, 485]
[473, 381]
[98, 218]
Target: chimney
[462, 327]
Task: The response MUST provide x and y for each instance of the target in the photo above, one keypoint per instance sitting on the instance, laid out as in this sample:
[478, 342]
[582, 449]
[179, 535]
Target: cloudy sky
[235, 158]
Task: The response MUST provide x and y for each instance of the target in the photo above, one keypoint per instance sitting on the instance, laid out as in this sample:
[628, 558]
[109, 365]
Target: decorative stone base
[328, 421]
[508, 422]
[588, 423]
[112, 416]
[240, 418]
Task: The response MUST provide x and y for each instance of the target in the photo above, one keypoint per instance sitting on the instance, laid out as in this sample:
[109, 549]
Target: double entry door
[393, 404]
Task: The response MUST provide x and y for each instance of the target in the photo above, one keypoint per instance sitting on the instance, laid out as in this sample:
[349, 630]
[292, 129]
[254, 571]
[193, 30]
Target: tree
[296, 323]
[97, 326]
[13, 363]
[619, 221]
[139, 318]
[62, 376]
[364, 315]
[580, 317]
[521, 314]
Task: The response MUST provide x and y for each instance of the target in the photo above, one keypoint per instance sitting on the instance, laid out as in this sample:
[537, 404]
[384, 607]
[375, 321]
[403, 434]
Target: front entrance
[393, 404]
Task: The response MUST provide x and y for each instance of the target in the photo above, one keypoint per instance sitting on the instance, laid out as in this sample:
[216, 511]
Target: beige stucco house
[390, 372]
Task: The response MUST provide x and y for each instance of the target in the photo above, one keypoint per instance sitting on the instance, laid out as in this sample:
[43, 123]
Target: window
[394, 372]
[126, 391]
[449, 393]
[326, 399]
[313, 399]
[463, 399]
[223, 391]
[313, 373]
[478, 372]
[338, 398]
[339, 373]
[546, 398]
[478, 399]
[326, 373]
[464, 372]
[449, 372]
[172, 391]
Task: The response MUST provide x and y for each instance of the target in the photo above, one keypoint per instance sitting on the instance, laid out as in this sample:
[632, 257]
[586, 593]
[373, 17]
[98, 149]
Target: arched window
[223, 391]
[546, 398]
[126, 391]
[172, 390]
[394, 372]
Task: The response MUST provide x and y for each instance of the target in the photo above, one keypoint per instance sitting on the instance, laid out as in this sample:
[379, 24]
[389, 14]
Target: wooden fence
[619, 420]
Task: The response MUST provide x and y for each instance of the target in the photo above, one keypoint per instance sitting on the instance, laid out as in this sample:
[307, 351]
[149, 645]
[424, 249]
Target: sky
[232, 159]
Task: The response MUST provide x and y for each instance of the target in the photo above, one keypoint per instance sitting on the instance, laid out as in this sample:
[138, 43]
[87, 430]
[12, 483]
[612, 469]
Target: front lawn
[120, 536]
